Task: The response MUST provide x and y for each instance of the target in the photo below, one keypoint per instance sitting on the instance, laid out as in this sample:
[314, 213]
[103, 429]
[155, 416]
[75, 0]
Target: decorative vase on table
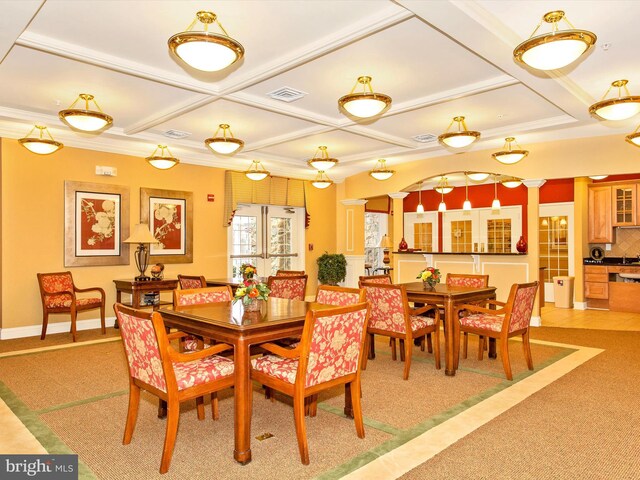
[430, 278]
[252, 305]
[403, 245]
[252, 294]
[521, 246]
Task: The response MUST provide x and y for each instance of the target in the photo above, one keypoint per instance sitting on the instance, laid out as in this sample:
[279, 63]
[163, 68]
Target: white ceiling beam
[15, 17]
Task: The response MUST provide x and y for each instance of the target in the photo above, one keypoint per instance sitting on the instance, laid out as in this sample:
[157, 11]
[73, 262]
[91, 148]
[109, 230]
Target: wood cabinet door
[623, 198]
[600, 228]
[596, 290]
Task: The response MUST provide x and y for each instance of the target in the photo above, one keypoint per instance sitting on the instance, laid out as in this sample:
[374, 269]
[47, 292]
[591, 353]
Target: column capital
[398, 195]
[353, 201]
[531, 183]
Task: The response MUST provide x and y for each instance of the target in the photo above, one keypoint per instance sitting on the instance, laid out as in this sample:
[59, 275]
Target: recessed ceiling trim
[182, 108]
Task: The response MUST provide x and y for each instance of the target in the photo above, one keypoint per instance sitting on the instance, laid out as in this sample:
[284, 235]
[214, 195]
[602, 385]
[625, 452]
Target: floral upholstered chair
[510, 320]
[384, 279]
[174, 377]
[467, 280]
[339, 296]
[292, 287]
[289, 273]
[58, 294]
[391, 316]
[192, 281]
[330, 354]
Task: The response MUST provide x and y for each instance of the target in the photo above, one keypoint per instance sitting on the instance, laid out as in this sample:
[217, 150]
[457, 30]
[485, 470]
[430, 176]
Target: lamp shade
[460, 139]
[85, 119]
[509, 156]
[40, 144]
[366, 103]
[385, 242]
[381, 172]
[618, 108]
[478, 176]
[141, 234]
[322, 181]
[225, 144]
[321, 161]
[163, 161]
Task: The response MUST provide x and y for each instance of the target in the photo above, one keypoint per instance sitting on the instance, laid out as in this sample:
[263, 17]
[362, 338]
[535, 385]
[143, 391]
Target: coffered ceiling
[436, 59]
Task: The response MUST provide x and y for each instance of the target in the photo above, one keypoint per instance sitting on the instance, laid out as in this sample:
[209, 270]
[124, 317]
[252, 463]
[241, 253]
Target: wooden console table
[137, 289]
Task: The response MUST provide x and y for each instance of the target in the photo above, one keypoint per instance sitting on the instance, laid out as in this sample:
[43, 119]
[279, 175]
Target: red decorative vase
[521, 246]
[403, 245]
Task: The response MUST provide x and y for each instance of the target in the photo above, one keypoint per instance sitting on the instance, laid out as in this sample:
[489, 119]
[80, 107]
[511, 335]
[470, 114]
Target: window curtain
[286, 192]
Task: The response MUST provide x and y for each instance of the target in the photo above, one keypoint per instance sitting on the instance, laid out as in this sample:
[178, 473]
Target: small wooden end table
[137, 288]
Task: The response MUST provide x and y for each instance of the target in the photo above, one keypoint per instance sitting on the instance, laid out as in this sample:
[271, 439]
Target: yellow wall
[33, 222]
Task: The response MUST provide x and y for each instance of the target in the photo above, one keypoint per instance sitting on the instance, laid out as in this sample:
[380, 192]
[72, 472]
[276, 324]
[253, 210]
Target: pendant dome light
[443, 186]
[381, 172]
[85, 119]
[256, 171]
[619, 108]
[162, 161]
[442, 207]
[495, 205]
[322, 181]
[225, 144]
[364, 104]
[598, 177]
[323, 162]
[634, 138]
[420, 208]
[461, 138]
[511, 182]
[40, 145]
[477, 176]
[466, 206]
[508, 156]
[556, 49]
[204, 50]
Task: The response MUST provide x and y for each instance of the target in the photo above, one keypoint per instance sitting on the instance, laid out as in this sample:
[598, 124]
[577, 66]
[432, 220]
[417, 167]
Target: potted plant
[332, 268]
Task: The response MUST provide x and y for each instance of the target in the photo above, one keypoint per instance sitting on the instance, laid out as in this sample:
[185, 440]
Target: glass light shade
[381, 172]
[598, 177]
[366, 103]
[225, 146]
[204, 50]
[321, 161]
[322, 181]
[442, 207]
[619, 108]
[508, 156]
[460, 139]
[466, 206]
[420, 208]
[634, 138]
[495, 205]
[163, 161]
[512, 183]
[477, 176]
[443, 189]
[256, 171]
[85, 119]
[40, 145]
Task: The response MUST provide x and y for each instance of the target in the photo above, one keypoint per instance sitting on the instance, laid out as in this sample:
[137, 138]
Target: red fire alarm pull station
[211, 197]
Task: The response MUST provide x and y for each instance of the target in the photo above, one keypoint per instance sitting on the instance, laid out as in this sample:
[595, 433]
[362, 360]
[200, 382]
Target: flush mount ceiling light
[598, 177]
[508, 156]
[364, 104]
[555, 49]
[511, 182]
[381, 172]
[477, 176]
[495, 205]
[443, 186]
[322, 181]
[40, 144]
[322, 162]
[461, 138]
[466, 206]
[420, 208]
[163, 161]
[634, 138]
[226, 144]
[204, 50]
[85, 120]
[619, 108]
[256, 171]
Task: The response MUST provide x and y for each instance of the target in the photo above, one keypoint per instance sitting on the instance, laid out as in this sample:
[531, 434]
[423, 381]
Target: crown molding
[533, 183]
[398, 195]
[353, 201]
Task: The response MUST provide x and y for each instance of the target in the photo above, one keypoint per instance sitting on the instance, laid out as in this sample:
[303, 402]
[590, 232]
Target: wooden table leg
[492, 348]
[450, 339]
[242, 403]
[348, 406]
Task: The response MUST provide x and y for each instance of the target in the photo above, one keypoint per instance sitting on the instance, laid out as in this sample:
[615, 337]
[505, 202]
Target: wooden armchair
[384, 279]
[289, 273]
[293, 287]
[192, 281]
[58, 294]
[503, 323]
[318, 364]
[173, 377]
[467, 280]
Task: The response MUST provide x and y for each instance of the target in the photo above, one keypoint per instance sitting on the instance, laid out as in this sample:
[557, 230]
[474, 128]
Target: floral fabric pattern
[283, 287]
[418, 322]
[333, 297]
[289, 273]
[383, 279]
[284, 369]
[522, 308]
[199, 296]
[477, 282]
[190, 283]
[61, 282]
[198, 372]
[483, 321]
[142, 349]
[64, 301]
[387, 309]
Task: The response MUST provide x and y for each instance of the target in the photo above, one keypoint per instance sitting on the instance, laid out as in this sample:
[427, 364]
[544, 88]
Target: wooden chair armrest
[496, 302]
[421, 310]
[283, 352]
[176, 335]
[176, 356]
[478, 309]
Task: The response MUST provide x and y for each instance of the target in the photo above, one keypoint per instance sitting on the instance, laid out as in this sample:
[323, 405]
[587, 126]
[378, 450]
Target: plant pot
[428, 287]
[253, 305]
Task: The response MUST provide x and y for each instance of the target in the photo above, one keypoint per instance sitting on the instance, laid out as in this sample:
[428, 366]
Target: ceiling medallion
[226, 144]
[256, 171]
[555, 49]
[85, 119]
[322, 162]
[381, 172]
[461, 138]
[322, 181]
[204, 50]
[162, 161]
[634, 138]
[619, 108]
[508, 156]
[40, 144]
[364, 104]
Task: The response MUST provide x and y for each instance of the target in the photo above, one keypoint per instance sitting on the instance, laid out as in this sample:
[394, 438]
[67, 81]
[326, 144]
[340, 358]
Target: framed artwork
[96, 220]
[169, 214]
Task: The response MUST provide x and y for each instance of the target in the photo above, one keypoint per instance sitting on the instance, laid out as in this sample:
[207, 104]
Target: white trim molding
[398, 195]
[353, 201]
[58, 327]
[355, 268]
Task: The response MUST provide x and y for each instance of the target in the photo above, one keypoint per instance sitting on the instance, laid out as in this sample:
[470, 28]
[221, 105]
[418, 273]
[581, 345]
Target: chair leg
[392, 342]
[429, 344]
[132, 413]
[365, 357]
[74, 315]
[173, 416]
[357, 407]
[215, 410]
[372, 346]
[481, 347]
[102, 320]
[162, 408]
[436, 347]
[313, 405]
[505, 359]
[200, 407]
[465, 344]
[407, 360]
[402, 350]
[423, 342]
[301, 431]
[527, 349]
[45, 322]
[268, 393]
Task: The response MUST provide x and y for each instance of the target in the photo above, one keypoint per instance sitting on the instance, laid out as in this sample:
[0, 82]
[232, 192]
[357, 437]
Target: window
[554, 246]
[461, 236]
[375, 226]
[499, 235]
[421, 231]
[423, 236]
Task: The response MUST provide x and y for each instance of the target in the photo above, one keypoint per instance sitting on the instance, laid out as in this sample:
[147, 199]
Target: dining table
[228, 322]
[449, 297]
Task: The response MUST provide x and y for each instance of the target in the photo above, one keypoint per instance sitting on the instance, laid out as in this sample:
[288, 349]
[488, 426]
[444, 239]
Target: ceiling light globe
[442, 207]
[444, 190]
[382, 174]
[554, 54]
[40, 146]
[617, 111]
[208, 52]
[477, 176]
[511, 183]
[510, 157]
[224, 146]
[466, 206]
[420, 208]
[458, 140]
[322, 184]
[598, 177]
[365, 105]
[85, 120]
[162, 163]
[323, 164]
[633, 139]
[257, 176]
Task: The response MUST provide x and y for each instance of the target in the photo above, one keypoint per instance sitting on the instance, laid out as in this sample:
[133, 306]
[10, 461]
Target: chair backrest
[467, 280]
[389, 307]
[384, 279]
[55, 282]
[192, 281]
[145, 339]
[520, 306]
[289, 273]
[197, 296]
[339, 296]
[292, 287]
[332, 343]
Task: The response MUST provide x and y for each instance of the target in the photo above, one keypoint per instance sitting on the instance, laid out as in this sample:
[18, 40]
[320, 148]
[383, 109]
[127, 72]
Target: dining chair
[292, 287]
[391, 316]
[513, 318]
[330, 354]
[192, 281]
[289, 273]
[384, 279]
[58, 295]
[156, 367]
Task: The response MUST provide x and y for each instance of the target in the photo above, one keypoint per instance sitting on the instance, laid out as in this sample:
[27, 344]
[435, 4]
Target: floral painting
[97, 222]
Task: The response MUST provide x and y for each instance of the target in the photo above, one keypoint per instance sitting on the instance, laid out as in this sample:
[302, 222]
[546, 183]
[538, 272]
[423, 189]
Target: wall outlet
[106, 171]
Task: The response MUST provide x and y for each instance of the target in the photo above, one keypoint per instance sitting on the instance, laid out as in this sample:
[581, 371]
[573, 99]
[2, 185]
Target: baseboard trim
[535, 321]
[579, 305]
[58, 327]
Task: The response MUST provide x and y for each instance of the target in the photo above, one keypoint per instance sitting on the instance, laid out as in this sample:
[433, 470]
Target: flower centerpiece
[250, 294]
[248, 271]
[430, 277]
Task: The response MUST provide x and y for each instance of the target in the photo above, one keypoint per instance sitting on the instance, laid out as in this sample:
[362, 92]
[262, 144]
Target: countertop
[613, 261]
[419, 252]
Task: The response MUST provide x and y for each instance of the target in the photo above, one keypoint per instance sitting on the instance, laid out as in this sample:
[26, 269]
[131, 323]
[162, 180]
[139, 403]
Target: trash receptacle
[563, 291]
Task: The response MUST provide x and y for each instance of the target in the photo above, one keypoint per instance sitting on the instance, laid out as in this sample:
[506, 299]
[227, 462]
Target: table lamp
[142, 236]
[385, 244]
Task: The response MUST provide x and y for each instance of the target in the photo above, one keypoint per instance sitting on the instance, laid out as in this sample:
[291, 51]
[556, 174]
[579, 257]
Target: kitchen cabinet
[596, 282]
[624, 205]
[600, 226]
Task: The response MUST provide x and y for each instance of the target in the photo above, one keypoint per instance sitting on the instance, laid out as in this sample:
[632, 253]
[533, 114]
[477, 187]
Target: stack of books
[151, 298]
